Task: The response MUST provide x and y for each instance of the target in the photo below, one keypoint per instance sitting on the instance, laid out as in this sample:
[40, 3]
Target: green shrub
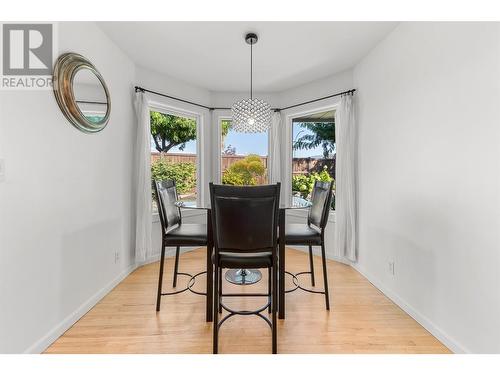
[232, 178]
[303, 184]
[245, 171]
[184, 174]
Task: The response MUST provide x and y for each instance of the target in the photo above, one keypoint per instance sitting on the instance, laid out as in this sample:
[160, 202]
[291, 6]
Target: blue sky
[251, 143]
[248, 143]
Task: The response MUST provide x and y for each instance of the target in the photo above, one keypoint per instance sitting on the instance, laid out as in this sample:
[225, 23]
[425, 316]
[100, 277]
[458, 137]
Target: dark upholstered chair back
[321, 201]
[245, 218]
[166, 196]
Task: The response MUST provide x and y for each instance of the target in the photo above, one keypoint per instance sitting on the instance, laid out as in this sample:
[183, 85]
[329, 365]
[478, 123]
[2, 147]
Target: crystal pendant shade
[251, 116]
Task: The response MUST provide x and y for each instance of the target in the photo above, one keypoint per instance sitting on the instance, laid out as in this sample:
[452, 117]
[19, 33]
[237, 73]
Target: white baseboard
[445, 339]
[44, 342]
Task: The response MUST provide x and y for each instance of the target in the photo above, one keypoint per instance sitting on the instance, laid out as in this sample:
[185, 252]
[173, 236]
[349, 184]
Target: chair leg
[274, 301]
[176, 265]
[325, 276]
[160, 279]
[311, 264]
[269, 287]
[215, 309]
[220, 290]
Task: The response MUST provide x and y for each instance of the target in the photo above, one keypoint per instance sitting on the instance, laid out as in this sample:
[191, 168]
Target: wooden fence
[299, 165]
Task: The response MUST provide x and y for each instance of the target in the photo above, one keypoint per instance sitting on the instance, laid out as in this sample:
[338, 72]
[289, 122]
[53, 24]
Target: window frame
[198, 117]
[226, 115]
[287, 172]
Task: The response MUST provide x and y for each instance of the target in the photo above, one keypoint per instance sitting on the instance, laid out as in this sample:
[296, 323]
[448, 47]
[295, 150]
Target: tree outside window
[173, 152]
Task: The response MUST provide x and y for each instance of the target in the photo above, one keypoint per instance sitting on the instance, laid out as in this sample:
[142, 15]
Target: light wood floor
[361, 319]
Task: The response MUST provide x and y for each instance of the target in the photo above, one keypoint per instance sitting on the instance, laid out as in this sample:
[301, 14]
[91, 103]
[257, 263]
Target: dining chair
[245, 233]
[175, 234]
[312, 233]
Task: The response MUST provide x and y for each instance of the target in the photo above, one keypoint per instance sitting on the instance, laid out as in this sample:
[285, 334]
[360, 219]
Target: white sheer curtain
[275, 150]
[143, 248]
[345, 195]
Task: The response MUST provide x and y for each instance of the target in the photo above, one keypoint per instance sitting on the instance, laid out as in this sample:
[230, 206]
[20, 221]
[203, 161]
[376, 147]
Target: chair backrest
[166, 196]
[245, 218]
[321, 201]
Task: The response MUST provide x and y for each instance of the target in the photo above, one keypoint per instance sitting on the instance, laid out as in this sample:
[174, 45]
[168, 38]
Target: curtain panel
[345, 195]
[143, 247]
[275, 149]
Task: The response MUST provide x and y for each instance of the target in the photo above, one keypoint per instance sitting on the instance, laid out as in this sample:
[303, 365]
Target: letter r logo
[27, 49]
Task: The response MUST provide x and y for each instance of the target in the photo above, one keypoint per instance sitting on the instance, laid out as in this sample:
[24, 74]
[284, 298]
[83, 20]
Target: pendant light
[251, 115]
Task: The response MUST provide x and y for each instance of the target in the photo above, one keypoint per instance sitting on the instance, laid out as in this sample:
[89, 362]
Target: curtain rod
[348, 92]
[142, 89]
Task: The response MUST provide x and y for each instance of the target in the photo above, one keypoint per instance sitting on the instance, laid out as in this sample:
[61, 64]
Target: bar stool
[245, 228]
[312, 234]
[176, 234]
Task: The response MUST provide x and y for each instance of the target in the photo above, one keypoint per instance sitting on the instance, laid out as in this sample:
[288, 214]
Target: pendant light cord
[251, 70]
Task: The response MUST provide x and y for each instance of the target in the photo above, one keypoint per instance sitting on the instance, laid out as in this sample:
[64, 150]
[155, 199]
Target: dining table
[281, 255]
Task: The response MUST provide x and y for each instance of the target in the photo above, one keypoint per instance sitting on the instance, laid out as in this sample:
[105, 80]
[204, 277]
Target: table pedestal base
[243, 276]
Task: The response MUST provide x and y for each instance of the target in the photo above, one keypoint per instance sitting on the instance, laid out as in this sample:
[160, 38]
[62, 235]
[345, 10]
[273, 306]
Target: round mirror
[81, 93]
[90, 96]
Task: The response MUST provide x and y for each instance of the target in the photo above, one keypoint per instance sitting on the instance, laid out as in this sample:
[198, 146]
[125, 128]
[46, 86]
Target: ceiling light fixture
[251, 115]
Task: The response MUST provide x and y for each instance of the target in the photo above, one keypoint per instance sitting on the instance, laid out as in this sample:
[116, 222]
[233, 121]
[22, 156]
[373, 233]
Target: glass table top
[297, 203]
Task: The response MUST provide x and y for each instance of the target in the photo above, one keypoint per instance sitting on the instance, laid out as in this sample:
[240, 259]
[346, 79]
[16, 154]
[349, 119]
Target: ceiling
[214, 55]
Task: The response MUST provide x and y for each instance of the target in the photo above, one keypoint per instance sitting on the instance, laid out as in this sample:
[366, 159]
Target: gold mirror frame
[65, 69]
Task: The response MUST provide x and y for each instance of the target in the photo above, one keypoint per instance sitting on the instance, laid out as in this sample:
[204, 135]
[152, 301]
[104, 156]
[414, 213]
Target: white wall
[66, 204]
[316, 89]
[429, 177]
[226, 99]
[171, 86]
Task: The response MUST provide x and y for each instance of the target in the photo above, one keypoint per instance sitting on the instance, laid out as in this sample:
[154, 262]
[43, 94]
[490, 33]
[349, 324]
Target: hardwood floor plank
[361, 319]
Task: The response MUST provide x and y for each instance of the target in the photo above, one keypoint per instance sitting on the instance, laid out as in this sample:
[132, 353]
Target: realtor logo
[27, 56]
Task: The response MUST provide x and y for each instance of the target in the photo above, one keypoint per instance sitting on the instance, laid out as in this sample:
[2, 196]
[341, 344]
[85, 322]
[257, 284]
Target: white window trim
[286, 177]
[221, 115]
